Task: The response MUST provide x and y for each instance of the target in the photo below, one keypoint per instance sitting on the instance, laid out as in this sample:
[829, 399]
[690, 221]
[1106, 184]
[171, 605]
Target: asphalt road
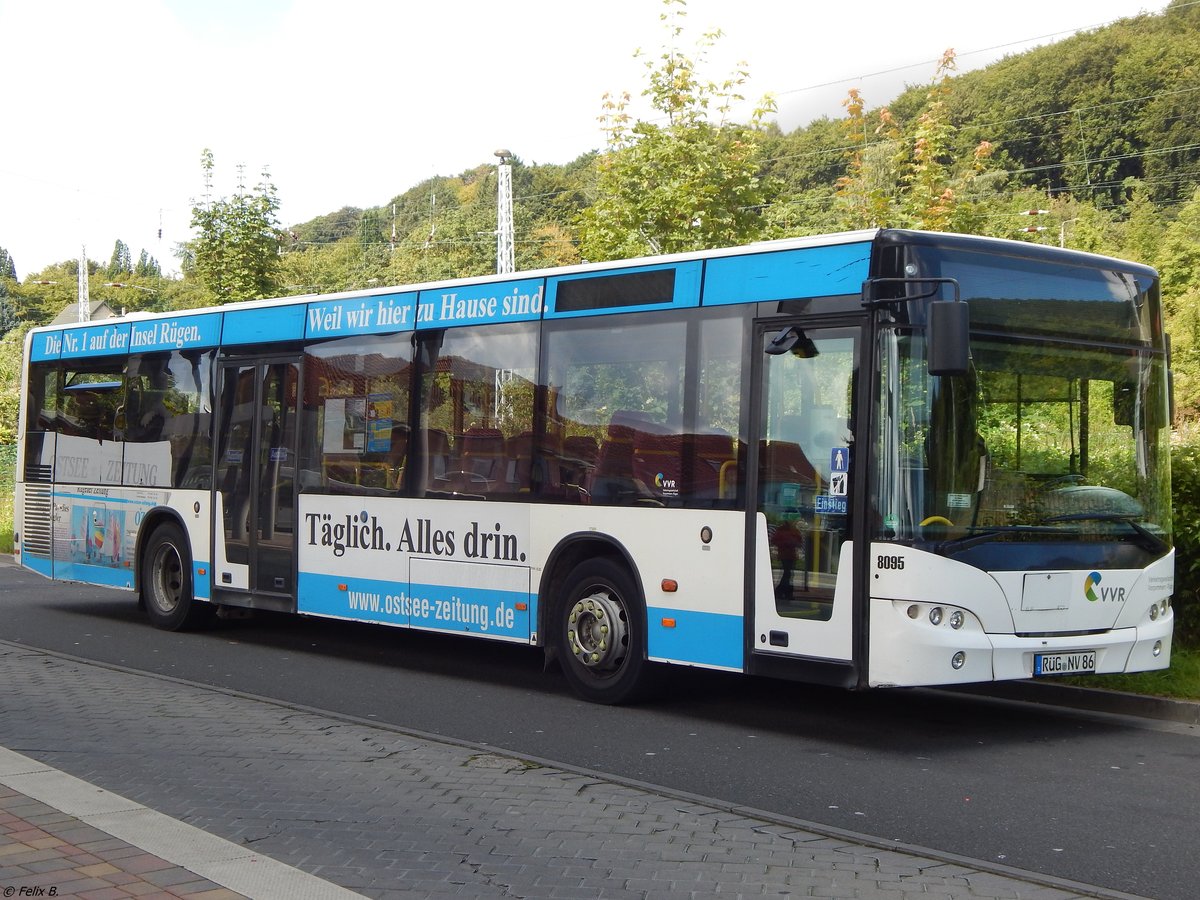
[1097, 799]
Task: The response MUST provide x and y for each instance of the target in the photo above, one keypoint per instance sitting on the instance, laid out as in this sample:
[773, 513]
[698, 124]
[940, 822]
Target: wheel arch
[569, 552]
[150, 523]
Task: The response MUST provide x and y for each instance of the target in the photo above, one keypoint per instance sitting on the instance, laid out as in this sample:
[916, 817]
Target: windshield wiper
[1148, 540]
[992, 534]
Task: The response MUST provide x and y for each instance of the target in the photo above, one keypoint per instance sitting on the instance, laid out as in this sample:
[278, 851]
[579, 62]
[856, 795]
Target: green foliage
[327, 229]
[346, 265]
[910, 176]
[8, 269]
[11, 347]
[236, 253]
[686, 185]
[1080, 115]
[147, 267]
[1185, 488]
[1181, 680]
[8, 283]
[121, 262]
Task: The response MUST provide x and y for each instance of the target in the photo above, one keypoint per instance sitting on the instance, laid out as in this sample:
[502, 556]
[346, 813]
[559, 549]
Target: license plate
[1076, 662]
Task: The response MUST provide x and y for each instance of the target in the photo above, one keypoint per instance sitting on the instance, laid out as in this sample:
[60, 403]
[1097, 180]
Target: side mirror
[948, 337]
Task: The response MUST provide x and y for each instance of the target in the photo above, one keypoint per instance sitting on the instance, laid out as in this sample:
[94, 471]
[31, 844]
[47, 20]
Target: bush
[1185, 492]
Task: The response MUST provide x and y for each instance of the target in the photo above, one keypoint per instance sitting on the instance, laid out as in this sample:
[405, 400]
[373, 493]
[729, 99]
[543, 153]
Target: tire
[166, 582]
[600, 633]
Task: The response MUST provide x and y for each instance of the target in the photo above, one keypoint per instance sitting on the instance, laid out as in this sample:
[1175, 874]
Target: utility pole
[85, 303]
[505, 253]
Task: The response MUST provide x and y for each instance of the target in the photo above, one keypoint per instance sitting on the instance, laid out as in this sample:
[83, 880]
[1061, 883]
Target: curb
[1120, 703]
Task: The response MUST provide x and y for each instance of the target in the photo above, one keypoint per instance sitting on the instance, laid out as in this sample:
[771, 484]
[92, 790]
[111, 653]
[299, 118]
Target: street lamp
[1062, 231]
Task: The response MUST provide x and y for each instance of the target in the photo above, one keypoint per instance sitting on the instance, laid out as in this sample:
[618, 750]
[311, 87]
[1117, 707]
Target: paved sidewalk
[238, 795]
[46, 852]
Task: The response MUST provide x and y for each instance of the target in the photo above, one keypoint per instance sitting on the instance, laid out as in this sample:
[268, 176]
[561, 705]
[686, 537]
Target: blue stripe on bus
[95, 340]
[176, 333]
[475, 304]
[201, 582]
[487, 612]
[329, 595]
[264, 325]
[109, 576]
[687, 290]
[703, 638]
[787, 274]
[45, 345]
[361, 315]
[101, 498]
[40, 564]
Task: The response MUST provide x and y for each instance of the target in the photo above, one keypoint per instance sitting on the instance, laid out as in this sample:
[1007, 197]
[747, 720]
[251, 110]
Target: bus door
[805, 468]
[256, 478]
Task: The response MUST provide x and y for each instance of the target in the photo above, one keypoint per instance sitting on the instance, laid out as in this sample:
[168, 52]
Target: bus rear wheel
[166, 583]
[601, 633]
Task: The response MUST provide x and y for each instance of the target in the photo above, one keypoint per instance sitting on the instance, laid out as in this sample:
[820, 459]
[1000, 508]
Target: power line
[1030, 40]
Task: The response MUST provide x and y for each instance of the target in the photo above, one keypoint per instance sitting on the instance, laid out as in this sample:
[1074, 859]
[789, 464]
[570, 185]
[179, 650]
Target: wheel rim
[598, 631]
[166, 583]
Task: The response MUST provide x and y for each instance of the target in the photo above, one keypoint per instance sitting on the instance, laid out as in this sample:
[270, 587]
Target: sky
[108, 106]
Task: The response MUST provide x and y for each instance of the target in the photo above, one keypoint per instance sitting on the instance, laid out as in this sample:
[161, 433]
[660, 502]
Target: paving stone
[387, 815]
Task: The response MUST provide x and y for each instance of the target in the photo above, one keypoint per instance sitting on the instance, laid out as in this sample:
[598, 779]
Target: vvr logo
[1092, 582]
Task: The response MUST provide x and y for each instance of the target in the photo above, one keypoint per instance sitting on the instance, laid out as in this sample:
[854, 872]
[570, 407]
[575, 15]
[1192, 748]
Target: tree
[1178, 261]
[121, 262]
[8, 280]
[911, 176]
[866, 193]
[8, 269]
[689, 184]
[147, 267]
[236, 254]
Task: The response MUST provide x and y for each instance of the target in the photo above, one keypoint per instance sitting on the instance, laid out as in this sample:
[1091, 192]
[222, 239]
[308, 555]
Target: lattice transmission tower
[505, 252]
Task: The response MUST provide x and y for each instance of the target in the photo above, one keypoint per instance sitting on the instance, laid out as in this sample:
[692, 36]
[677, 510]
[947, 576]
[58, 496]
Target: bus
[869, 459]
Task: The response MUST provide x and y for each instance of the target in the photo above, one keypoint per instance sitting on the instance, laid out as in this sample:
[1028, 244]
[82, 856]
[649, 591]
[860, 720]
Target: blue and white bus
[866, 459]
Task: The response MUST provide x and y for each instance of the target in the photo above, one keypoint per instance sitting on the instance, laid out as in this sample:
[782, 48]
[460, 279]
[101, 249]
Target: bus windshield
[1040, 443]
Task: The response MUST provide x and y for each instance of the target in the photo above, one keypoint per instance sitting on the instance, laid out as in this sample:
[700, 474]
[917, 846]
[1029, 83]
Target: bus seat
[581, 448]
[482, 453]
[437, 453]
[529, 471]
[614, 480]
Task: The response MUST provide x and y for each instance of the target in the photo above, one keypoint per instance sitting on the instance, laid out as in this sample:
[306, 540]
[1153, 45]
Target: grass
[1181, 681]
[6, 519]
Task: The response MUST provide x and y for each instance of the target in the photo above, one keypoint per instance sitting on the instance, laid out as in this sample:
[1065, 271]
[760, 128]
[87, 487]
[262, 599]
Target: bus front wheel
[601, 633]
[167, 581]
